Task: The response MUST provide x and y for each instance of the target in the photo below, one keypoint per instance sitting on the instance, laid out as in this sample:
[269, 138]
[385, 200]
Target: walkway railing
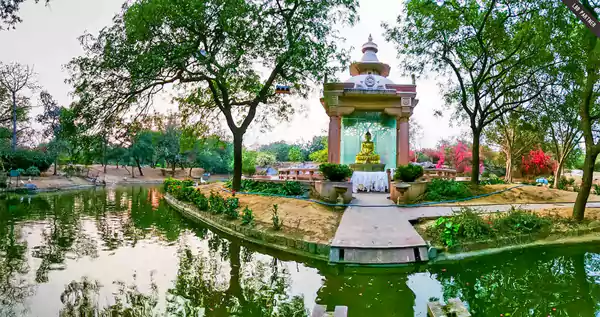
[300, 173]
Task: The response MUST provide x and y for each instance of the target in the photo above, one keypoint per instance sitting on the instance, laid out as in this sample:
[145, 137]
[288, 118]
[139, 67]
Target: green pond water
[124, 251]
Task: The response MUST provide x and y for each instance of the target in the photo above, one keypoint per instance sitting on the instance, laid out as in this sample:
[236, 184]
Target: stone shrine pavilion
[369, 104]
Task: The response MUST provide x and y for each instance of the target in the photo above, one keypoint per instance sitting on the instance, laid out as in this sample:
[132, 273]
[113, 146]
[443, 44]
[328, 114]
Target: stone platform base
[368, 167]
[376, 235]
[399, 255]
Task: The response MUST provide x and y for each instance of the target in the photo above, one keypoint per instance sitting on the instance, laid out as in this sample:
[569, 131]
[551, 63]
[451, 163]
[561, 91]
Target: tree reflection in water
[211, 275]
[197, 291]
[559, 282]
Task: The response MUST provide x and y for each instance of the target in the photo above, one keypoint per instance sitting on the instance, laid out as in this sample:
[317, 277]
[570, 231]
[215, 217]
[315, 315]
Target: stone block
[318, 311]
[379, 256]
[340, 311]
[326, 190]
[334, 255]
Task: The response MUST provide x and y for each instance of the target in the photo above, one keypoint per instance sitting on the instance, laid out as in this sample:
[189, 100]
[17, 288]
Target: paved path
[415, 213]
[373, 229]
[381, 227]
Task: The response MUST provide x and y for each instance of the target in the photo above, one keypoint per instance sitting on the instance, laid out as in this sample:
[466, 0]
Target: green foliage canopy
[211, 50]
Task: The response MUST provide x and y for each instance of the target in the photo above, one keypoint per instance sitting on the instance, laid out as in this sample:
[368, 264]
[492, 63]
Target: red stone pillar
[402, 144]
[334, 139]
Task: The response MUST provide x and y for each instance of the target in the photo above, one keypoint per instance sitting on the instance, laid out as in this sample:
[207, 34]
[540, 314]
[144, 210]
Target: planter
[327, 190]
[407, 192]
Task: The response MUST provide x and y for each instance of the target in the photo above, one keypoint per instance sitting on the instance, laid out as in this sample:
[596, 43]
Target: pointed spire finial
[370, 38]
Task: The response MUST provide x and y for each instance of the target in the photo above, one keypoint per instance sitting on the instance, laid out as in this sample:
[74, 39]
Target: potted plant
[405, 185]
[335, 176]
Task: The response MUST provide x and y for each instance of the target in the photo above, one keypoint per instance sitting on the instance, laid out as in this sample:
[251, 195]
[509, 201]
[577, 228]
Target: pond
[124, 251]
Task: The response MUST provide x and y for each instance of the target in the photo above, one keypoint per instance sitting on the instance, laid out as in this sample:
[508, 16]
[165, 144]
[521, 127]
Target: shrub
[288, 188]
[468, 225]
[22, 159]
[493, 179]
[596, 189]
[520, 221]
[231, 206]
[562, 183]
[187, 183]
[408, 173]
[217, 203]
[439, 189]
[21, 171]
[335, 172]
[247, 216]
[201, 201]
[277, 222]
[32, 171]
[168, 182]
[464, 225]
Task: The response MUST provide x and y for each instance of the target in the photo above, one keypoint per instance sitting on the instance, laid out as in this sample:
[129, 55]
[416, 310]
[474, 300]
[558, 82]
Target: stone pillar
[334, 139]
[402, 144]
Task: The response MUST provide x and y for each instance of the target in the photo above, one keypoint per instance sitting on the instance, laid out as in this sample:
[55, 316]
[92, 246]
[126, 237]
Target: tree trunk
[55, 163]
[117, 164]
[558, 173]
[173, 166]
[137, 162]
[14, 136]
[104, 155]
[132, 171]
[509, 168]
[237, 160]
[191, 171]
[586, 185]
[475, 163]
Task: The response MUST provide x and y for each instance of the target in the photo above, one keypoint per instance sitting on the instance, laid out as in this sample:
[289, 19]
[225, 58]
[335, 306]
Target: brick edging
[317, 251]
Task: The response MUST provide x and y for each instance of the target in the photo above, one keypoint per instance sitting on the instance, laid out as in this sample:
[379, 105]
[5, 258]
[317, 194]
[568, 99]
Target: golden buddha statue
[367, 152]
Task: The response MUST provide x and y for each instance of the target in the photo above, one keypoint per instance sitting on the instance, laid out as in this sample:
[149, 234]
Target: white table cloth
[369, 181]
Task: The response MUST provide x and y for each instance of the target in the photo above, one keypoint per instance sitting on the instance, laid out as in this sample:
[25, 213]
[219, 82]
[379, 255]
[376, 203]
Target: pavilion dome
[369, 72]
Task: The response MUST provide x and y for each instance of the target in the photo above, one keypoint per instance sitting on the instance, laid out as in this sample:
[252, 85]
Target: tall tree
[492, 49]
[224, 55]
[9, 10]
[142, 149]
[559, 119]
[582, 50]
[169, 146]
[515, 135]
[50, 119]
[15, 77]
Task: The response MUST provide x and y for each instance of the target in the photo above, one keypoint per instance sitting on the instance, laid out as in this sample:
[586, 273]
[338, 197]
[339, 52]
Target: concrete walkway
[415, 213]
[382, 235]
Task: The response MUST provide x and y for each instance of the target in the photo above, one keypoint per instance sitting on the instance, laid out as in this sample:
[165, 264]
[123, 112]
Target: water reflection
[124, 252]
[542, 282]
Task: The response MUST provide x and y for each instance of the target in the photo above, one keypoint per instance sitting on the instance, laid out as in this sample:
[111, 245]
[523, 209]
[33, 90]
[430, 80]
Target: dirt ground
[50, 182]
[120, 175]
[309, 221]
[567, 212]
[525, 195]
[113, 175]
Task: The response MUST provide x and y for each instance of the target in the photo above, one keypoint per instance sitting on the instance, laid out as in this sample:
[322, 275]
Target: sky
[47, 40]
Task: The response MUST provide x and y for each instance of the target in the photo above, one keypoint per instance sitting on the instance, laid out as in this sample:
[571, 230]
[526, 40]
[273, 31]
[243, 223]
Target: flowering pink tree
[537, 163]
